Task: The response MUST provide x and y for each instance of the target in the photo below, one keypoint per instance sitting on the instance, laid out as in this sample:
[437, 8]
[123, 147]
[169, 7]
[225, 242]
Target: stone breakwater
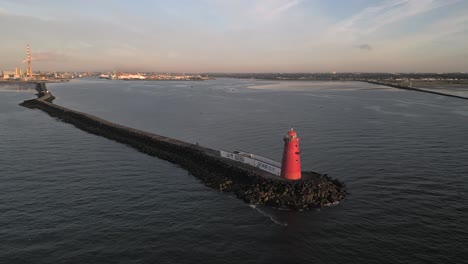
[413, 89]
[221, 174]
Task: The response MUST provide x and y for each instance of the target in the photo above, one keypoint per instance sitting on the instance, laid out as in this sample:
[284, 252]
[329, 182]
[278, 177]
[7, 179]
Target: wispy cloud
[271, 9]
[374, 18]
[48, 56]
[240, 35]
[451, 25]
[444, 30]
[283, 8]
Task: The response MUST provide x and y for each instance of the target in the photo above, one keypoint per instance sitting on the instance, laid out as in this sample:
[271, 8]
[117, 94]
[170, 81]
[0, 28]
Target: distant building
[131, 77]
[11, 75]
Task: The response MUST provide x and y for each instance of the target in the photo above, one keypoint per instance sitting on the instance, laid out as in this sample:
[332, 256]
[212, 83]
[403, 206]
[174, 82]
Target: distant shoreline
[34, 81]
[156, 80]
[393, 85]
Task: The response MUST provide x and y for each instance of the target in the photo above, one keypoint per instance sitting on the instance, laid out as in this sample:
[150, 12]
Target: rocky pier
[403, 87]
[314, 190]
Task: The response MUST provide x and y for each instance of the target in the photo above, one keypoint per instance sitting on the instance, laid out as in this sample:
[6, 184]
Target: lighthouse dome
[290, 135]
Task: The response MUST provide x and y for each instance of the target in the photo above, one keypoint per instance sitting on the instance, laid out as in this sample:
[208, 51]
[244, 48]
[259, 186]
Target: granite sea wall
[413, 89]
[224, 175]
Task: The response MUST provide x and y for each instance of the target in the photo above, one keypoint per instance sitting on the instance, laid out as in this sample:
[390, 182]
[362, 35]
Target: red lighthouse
[291, 163]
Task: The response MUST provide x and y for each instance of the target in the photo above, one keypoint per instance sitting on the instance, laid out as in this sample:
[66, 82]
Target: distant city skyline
[236, 36]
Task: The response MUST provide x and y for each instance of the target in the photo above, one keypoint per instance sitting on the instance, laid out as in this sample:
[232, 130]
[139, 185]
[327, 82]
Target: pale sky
[236, 35]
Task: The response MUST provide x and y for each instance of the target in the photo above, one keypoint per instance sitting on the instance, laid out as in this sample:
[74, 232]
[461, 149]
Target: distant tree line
[339, 76]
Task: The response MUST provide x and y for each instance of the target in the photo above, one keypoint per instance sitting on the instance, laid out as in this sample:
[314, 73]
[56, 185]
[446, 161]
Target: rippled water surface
[72, 197]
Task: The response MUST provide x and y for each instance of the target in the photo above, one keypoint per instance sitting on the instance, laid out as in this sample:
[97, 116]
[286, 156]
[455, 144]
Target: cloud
[449, 31]
[452, 25]
[241, 35]
[49, 56]
[271, 9]
[374, 18]
[283, 8]
[364, 47]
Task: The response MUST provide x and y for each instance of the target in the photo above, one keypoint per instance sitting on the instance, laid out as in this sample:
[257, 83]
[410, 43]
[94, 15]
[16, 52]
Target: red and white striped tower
[30, 73]
[291, 163]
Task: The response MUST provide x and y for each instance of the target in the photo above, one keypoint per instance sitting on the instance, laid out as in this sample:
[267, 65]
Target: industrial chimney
[30, 73]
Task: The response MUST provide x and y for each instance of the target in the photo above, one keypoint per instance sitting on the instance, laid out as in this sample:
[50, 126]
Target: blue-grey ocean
[67, 196]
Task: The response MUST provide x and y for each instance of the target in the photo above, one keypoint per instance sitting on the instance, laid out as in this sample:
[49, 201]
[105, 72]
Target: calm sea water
[72, 197]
